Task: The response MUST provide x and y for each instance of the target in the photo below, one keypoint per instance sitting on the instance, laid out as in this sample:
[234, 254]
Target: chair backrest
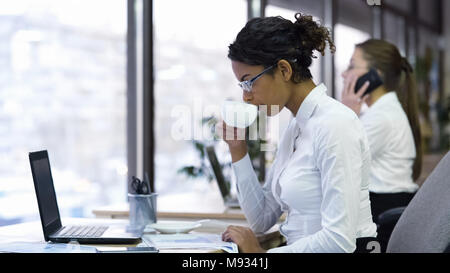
[425, 224]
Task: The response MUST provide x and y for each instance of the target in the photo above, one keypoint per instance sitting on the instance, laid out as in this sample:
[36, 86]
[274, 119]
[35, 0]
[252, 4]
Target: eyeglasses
[247, 85]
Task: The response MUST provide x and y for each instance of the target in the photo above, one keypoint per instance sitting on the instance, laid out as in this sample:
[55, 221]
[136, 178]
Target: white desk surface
[31, 232]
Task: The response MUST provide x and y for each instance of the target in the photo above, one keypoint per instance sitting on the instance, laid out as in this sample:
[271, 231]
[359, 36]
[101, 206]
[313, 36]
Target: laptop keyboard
[82, 231]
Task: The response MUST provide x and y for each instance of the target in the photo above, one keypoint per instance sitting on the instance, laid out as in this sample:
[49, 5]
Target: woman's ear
[285, 69]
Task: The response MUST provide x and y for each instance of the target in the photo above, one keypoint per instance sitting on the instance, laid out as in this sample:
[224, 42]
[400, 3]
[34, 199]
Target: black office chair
[386, 223]
[424, 225]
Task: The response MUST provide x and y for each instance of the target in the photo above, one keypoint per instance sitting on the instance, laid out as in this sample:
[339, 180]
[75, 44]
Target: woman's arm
[260, 207]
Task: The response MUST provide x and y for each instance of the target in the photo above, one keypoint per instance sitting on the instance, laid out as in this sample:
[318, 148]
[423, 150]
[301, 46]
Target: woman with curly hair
[320, 174]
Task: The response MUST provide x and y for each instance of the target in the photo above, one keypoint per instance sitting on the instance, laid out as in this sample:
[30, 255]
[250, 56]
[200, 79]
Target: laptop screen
[45, 191]
[217, 169]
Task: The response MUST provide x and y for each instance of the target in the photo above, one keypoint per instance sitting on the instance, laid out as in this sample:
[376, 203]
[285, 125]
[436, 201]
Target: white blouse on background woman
[391, 145]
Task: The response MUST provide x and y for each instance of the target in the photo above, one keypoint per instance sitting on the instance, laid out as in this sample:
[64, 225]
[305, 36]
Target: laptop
[229, 201]
[51, 222]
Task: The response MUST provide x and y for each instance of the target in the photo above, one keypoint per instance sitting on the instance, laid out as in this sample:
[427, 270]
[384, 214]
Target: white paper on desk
[23, 247]
[190, 241]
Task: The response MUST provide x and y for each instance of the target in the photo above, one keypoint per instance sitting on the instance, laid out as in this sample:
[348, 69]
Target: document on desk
[25, 247]
[191, 241]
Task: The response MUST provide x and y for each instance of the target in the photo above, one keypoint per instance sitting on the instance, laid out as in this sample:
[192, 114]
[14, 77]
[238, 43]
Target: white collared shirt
[322, 185]
[391, 145]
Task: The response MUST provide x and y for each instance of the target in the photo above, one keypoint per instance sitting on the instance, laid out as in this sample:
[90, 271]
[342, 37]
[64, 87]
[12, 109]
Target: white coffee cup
[239, 114]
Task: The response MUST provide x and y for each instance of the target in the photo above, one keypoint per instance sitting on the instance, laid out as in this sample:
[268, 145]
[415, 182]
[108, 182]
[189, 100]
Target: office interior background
[94, 82]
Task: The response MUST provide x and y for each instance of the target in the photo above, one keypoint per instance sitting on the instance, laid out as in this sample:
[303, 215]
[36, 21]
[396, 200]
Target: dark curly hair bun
[311, 35]
[264, 41]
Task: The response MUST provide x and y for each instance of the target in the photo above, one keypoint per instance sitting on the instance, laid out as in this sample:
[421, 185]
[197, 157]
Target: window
[428, 83]
[402, 5]
[412, 50]
[314, 8]
[427, 11]
[62, 88]
[395, 31]
[192, 77]
[357, 14]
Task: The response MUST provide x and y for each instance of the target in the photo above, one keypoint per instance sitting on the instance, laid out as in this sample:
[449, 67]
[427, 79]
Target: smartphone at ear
[374, 81]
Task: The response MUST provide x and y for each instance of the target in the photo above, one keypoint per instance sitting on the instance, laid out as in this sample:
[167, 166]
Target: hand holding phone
[374, 82]
[355, 95]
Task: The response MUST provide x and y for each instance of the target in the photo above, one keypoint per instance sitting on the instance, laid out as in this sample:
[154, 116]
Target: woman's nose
[247, 96]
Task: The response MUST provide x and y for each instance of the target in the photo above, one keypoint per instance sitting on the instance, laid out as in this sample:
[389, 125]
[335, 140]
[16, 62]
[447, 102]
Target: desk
[31, 232]
[270, 239]
[121, 211]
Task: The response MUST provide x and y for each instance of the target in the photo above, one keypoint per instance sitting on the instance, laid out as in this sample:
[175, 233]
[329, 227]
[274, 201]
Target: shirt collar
[386, 98]
[309, 104]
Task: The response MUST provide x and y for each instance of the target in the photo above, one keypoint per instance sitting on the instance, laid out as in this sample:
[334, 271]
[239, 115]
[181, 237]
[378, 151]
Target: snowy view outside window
[62, 88]
[191, 69]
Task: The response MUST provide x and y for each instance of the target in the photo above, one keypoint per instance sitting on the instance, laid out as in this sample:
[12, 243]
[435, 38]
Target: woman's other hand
[244, 238]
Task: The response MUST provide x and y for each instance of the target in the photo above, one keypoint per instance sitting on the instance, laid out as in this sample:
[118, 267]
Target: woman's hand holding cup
[234, 137]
